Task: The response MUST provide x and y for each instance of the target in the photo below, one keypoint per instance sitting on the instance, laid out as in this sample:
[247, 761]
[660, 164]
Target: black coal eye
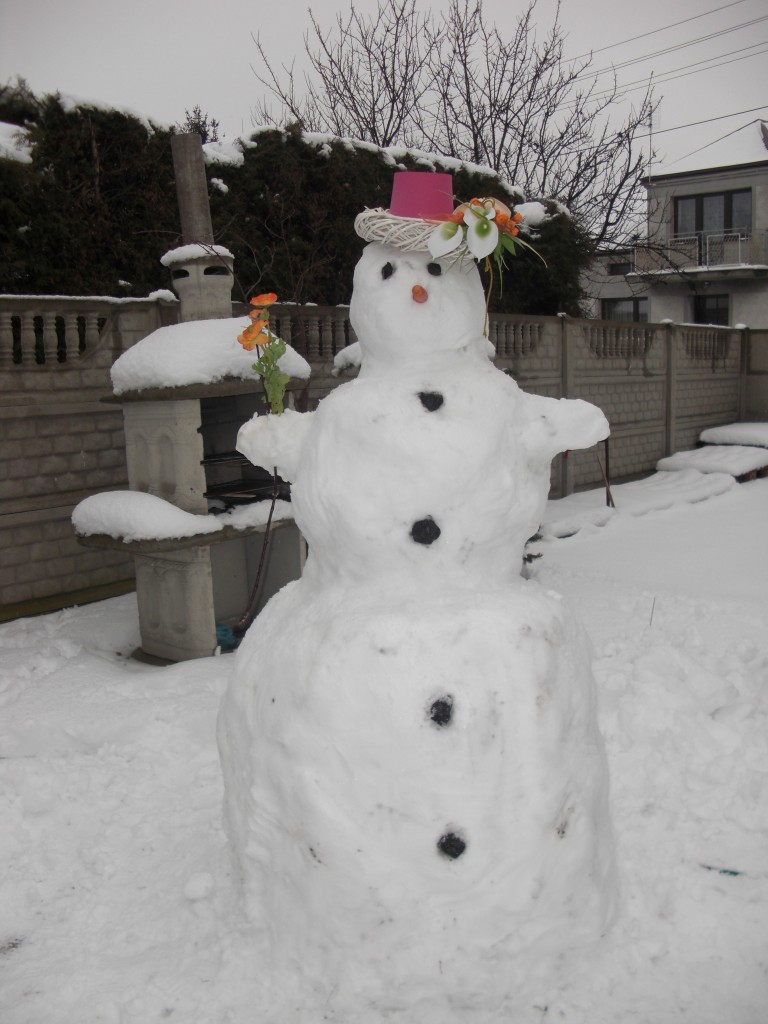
[434, 269]
[387, 271]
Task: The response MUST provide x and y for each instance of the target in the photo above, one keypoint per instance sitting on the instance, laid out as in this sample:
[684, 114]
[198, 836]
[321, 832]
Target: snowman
[415, 785]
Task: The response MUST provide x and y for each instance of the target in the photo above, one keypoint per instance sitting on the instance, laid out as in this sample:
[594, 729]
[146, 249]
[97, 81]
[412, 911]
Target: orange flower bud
[265, 299]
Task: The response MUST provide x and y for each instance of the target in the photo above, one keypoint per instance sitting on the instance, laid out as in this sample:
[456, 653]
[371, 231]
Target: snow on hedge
[14, 143]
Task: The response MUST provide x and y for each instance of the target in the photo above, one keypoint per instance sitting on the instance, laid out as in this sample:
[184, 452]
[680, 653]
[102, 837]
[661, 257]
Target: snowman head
[408, 307]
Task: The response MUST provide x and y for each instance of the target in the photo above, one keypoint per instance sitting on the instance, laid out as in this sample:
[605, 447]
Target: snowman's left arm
[275, 441]
[559, 424]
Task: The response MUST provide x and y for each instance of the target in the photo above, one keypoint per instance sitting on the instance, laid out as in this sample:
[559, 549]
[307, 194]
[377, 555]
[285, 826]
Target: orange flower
[265, 299]
[508, 224]
[254, 335]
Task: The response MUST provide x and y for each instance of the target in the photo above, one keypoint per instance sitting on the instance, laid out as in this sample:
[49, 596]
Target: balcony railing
[703, 250]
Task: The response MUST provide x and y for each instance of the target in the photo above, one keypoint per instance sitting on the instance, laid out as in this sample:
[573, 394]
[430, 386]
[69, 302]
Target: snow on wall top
[159, 295]
[198, 352]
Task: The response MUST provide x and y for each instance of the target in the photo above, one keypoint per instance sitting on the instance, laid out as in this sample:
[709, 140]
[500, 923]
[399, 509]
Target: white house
[705, 259]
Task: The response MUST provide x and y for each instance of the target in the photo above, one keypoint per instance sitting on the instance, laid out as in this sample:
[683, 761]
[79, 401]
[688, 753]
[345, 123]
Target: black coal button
[441, 710]
[451, 845]
[431, 400]
[425, 531]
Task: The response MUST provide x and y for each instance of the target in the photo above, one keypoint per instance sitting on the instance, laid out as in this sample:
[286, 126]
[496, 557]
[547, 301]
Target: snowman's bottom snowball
[342, 784]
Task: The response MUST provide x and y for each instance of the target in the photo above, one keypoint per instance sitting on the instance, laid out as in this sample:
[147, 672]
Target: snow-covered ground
[115, 885]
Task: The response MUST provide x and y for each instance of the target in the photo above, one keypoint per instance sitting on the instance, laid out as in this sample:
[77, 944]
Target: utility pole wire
[644, 83]
[671, 76]
[613, 68]
[714, 142]
[655, 31]
[709, 120]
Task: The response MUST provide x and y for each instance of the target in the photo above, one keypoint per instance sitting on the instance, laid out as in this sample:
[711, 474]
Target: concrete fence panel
[61, 434]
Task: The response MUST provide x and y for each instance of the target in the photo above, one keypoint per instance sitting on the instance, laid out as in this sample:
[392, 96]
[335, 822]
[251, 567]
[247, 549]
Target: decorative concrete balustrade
[659, 385]
[44, 336]
[43, 330]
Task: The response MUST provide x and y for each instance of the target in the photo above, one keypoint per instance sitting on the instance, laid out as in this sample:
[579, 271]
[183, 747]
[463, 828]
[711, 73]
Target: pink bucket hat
[420, 200]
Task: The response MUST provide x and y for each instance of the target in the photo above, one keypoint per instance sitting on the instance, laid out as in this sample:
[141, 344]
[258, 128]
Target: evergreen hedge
[96, 208]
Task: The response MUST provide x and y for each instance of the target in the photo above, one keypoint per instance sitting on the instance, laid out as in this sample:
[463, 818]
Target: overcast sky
[162, 57]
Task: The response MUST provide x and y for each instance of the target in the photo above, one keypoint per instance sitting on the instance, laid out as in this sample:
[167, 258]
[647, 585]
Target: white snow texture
[416, 789]
[196, 352]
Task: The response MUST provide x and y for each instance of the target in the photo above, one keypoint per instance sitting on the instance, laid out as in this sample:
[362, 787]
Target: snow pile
[712, 458]
[737, 433]
[223, 152]
[197, 352]
[14, 143]
[133, 515]
[534, 214]
[118, 901]
[567, 516]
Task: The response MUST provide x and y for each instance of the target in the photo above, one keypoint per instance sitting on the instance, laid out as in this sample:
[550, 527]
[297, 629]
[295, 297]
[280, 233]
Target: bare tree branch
[456, 87]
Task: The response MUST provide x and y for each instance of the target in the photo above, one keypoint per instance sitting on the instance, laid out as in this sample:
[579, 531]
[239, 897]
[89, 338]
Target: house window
[714, 213]
[619, 269]
[711, 309]
[630, 310]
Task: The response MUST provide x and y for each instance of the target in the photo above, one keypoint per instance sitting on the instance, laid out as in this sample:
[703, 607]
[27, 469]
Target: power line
[709, 120]
[668, 76]
[671, 49]
[664, 28]
[714, 142]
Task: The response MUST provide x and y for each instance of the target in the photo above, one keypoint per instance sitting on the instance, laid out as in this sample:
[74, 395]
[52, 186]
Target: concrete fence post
[191, 188]
[670, 398]
[743, 367]
[567, 339]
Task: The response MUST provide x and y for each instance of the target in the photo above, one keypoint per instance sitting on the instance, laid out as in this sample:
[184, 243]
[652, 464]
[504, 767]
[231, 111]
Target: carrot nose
[419, 293]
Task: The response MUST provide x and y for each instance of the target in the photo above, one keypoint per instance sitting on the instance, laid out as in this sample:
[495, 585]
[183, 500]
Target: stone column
[201, 272]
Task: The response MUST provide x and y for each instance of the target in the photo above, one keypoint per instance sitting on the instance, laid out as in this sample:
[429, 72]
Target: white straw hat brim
[407, 233]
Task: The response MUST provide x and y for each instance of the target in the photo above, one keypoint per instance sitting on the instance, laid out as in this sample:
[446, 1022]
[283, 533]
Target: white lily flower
[482, 233]
[444, 239]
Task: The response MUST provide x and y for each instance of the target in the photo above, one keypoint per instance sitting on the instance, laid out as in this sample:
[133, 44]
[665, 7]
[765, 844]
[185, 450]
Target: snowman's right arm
[275, 441]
